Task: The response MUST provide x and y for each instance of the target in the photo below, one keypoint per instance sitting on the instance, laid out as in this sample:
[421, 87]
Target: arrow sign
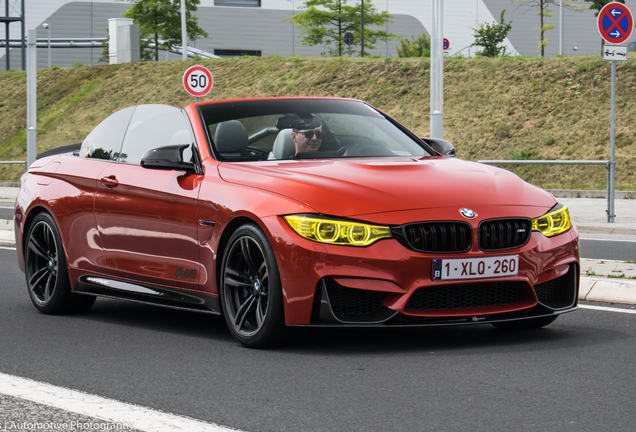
[615, 23]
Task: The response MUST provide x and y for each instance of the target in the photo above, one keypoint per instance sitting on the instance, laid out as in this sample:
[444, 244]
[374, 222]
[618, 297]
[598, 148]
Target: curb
[608, 290]
[597, 229]
[574, 193]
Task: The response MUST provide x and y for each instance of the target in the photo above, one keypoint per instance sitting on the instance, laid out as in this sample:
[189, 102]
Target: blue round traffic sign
[615, 23]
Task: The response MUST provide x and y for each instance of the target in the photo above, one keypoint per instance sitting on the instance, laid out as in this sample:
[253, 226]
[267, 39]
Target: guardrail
[99, 42]
[610, 191]
[14, 162]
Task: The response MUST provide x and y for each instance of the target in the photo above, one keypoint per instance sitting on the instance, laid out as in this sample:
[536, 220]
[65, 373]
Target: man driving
[307, 135]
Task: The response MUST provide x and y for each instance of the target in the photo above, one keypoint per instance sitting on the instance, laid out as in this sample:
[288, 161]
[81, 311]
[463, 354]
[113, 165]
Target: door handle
[109, 181]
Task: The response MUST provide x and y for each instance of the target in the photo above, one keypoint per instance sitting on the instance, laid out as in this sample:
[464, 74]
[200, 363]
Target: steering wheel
[346, 150]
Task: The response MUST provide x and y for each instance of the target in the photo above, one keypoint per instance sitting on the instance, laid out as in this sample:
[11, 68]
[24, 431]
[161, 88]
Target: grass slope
[504, 108]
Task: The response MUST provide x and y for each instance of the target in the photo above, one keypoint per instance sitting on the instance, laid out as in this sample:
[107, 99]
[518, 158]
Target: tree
[420, 47]
[489, 36]
[327, 21]
[598, 4]
[162, 18]
[542, 10]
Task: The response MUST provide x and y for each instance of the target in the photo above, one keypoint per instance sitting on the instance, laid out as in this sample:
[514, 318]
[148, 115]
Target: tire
[46, 271]
[527, 324]
[251, 293]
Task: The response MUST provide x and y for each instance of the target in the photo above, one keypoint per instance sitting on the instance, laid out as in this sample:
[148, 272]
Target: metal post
[437, 71]
[560, 27]
[31, 97]
[184, 32]
[362, 30]
[6, 30]
[47, 27]
[23, 23]
[387, 28]
[610, 187]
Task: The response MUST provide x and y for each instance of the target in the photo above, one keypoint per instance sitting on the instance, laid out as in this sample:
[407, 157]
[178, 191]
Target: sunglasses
[310, 134]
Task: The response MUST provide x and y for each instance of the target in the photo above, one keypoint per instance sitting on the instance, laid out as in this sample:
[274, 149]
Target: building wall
[261, 28]
[579, 28]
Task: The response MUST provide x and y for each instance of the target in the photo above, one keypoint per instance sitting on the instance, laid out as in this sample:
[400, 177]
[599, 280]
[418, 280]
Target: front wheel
[526, 324]
[46, 271]
[251, 291]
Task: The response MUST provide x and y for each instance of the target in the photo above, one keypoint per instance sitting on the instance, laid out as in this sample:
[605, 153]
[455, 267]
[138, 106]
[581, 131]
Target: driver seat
[284, 147]
[231, 138]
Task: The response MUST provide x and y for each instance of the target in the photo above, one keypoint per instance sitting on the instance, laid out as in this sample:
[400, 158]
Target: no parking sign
[615, 23]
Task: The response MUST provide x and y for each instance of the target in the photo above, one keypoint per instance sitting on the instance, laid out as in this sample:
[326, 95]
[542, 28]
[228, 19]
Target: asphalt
[602, 280]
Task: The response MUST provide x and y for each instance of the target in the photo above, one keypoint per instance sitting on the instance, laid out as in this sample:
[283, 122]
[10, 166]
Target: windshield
[273, 129]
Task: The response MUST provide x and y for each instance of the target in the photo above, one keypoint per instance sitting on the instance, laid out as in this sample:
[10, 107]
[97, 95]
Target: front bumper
[326, 285]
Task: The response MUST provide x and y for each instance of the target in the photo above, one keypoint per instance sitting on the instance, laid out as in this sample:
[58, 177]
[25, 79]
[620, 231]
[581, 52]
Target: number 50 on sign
[197, 80]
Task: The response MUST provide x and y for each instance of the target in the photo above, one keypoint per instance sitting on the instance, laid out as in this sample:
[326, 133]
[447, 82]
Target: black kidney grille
[438, 236]
[464, 296]
[498, 234]
[557, 293]
[347, 301]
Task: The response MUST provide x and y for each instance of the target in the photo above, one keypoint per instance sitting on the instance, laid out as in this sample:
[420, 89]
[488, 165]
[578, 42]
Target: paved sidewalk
[601, 280]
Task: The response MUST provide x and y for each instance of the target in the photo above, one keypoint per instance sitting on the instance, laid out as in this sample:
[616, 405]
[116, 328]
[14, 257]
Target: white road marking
[608, 309]
[7, 248]
[109, 410]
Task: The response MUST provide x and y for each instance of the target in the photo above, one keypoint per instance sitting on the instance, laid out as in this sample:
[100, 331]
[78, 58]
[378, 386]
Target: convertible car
[290, 212]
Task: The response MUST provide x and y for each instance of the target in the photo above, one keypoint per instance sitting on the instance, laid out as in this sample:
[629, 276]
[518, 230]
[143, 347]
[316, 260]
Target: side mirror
[168, 158]
[441, 146]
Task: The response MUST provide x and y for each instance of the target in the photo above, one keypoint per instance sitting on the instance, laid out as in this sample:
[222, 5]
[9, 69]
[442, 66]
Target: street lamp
[46, 26]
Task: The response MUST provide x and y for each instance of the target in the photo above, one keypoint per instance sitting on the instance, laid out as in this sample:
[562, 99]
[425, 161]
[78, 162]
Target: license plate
[474, 268]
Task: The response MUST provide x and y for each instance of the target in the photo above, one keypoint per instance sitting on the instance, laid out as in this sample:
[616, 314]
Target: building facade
[256, 27]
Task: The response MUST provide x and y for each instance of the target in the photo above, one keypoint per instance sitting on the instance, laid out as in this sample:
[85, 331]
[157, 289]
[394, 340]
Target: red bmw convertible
[290, 212]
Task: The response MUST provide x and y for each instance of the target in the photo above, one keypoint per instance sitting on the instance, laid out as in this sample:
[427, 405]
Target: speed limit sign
[197, 80]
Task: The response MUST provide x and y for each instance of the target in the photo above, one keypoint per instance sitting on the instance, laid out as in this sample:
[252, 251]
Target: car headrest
[284, 146]
[231, 137]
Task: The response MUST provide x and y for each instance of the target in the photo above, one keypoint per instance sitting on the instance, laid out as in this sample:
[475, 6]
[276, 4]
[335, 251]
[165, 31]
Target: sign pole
[31, 61]
[437, 71]
[184, 32]
[612, 167]
[615, 24]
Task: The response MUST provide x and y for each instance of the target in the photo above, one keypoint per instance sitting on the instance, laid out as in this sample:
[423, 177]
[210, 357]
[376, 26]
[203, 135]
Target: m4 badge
[185, 273]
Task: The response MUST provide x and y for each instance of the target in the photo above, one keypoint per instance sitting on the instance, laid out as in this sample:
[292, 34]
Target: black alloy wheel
[46, 271]
[251, 290]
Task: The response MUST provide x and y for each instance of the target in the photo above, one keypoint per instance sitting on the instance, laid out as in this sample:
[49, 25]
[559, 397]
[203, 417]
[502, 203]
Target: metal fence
[610, 190]
[14, 163]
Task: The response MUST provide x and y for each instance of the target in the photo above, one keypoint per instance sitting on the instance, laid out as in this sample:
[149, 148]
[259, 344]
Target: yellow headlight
[338, 232]
[553, 223]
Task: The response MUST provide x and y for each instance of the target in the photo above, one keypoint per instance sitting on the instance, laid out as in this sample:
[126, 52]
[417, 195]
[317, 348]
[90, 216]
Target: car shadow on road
[161, 319]
[566, 332]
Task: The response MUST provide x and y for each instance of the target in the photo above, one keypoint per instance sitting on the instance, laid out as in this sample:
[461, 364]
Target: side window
[159, 130]
[104, 142]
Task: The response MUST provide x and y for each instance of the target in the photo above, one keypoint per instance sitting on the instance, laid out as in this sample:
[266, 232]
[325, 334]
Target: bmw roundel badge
[467, 213]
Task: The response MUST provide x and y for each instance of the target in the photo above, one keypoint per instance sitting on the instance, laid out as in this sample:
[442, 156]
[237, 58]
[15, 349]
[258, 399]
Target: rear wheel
[251, 291]
[527, 324]
[46, 271]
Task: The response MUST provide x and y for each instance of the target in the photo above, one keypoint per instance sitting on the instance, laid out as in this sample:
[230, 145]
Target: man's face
[306, 139]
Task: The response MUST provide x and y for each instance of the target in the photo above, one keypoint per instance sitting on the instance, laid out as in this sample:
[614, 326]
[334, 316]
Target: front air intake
[467, 296]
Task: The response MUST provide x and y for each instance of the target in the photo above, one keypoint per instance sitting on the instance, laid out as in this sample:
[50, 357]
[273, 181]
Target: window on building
[236, 53]
[238, 3]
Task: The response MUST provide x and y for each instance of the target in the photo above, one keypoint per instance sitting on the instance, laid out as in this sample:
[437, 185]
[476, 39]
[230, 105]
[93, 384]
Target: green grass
[502, 108]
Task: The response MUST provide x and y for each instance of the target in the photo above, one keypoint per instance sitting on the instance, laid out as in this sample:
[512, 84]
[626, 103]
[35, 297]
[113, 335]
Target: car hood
[355, 187]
